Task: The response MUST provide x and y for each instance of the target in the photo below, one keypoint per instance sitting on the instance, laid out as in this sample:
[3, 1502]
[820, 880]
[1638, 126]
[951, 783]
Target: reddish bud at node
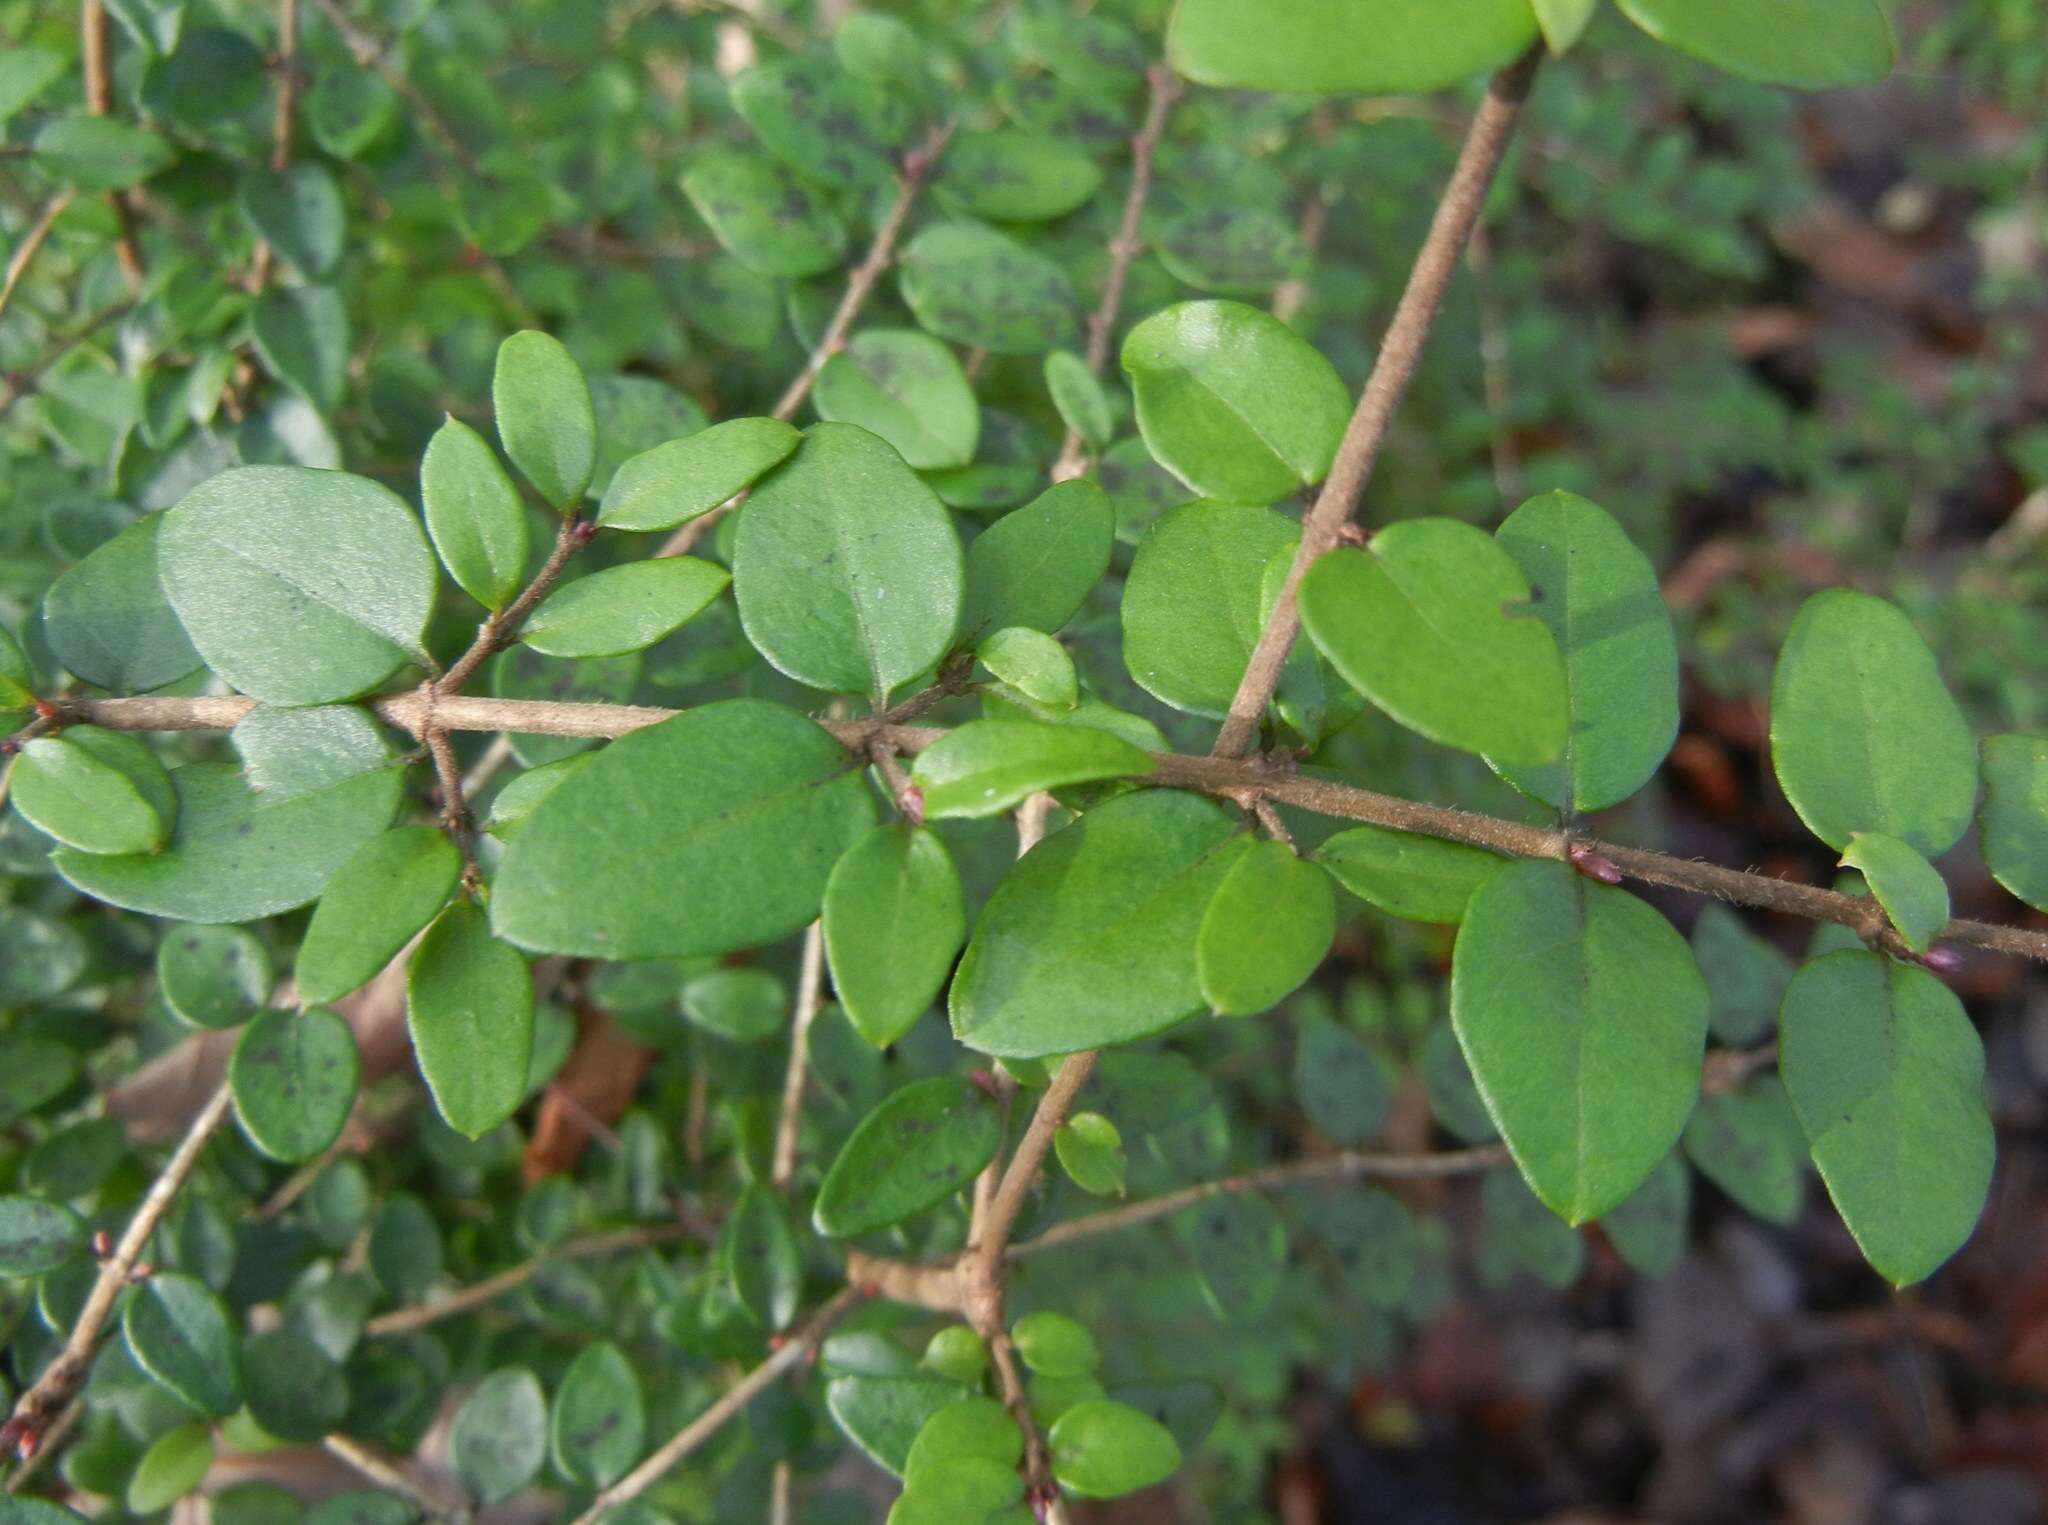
[29, 1444]
[1942, 960]
[912, 805]
[1592, 865]
[102, 1244]
[9, 747]
[141, 1272]
[985, 1083]
[46, 709]
[777, 1341]
[583, 531]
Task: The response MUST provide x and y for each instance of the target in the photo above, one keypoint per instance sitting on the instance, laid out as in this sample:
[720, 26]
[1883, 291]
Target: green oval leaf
[1809, 44]
[95, 790]
[907, 388]
[1649, 1229]
[1746, 976]
[986, 767]
[181, 1334]
[299, 213]
[1584, 1019]
[740, 1005]
[289, 752]
[624, 608]
[545, 418]
[474, 514]
[175, 1463]
[711, 831]
[1036, 565]
[302, 334]
[893, 920]
[1091, 1151]
[1887, 1076]
[1192, 604]
[1420, 878]
[846, 567]
[294, 1079]
[296, 1390]
[1342, 1086]
[883, 1415]
[1234, 402]
[2013, 825]
[1748, 1143]
[469, 1006]
[1012, 176]
[388, 889]
[298, 586]
[37, 1236]
[1090, 938]
[1864, 735]
[1032, 663]
[1105, 1449]
[1266, 929]
[213, 977]
[1243, 251]
[500, 1435]
[676, 482]
[968, 283]
[108, 621]
[1599, 596]
[599, 1419]
[1910, 889]
[923, 1143]
[767, 219]
[824, 122]
[1054, 1345]
[99, 153]
[1431, 623]
[1371, 47]
[758, 1252]
[235, 854]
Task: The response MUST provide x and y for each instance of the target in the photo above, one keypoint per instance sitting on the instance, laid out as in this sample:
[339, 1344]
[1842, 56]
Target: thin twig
[48, 1446]
[911, 177]
[19, 384]
[1164, 87]
[1495, 377]
[1222, 777]
[1456, 215]
[99, 101]
[502, 627]
[810, 999]
[287, 85]
[390, 1474]
[793, 1353]
[1349, 1164]
[61, 1379]
[32, 241]
[491, 1288]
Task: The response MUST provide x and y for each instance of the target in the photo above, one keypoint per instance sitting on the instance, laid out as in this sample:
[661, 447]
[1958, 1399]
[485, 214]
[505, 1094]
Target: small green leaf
[712, 831]
[957, 1354]
[1748, 1143]
[545, 418]
[986, 767]
[1910, 889]
[350, 110]
[884, 1414]
[685, 478]
[1887, 1076]
[388, 889]
[1266, 930]
[1746, 976]
[1036, 565]
[1432, 623]
[906, 387]
[1864, 735]
[213, 977]
[1521, 1238]
[1090, 938]
[299, 212]
[17, 682]
[288, 751]
[1192, 604]
[599, 1420]
[1078, 396]
[1234, 402]
[758, 1251]
[108, 620]
[405, 1247]
[298, 586]
[1371, 47]
[1584, 1019]
[1091, 1151]
[302, 333]
[474, 514]
[500, 1435]
[923, 1143]
[37, 1236]
[740, 1005]
[1342, 1085]
[296, 1390]
[846, 566]
[1564, 22]
[1012, 176]
[767, 219]
[26, 73]
[236, 855]
[175, 1464]
[1105, 1449]
[624, 608]
[294, 1080]
[1033, 663]
[1810, 45]
[469, 1006]
[1417, 877]
[826, 123]
[1239, 1249]
[1240, 251]
[893, 920]
[181, 1334]
[1599, 596]
[1649, 1228]
[968, 283]
[1054, 1345]
[976, 1429]
[2013, 825]
[99, 153]
[95, 790]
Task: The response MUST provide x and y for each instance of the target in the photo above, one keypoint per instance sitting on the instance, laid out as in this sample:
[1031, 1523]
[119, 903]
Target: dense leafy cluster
[583, 754]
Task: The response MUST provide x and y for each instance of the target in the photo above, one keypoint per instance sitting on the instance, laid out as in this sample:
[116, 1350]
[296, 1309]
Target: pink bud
[1592, 864]
[1942, 960]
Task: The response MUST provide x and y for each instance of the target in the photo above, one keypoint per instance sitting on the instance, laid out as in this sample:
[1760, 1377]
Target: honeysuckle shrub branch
[1130, 610]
